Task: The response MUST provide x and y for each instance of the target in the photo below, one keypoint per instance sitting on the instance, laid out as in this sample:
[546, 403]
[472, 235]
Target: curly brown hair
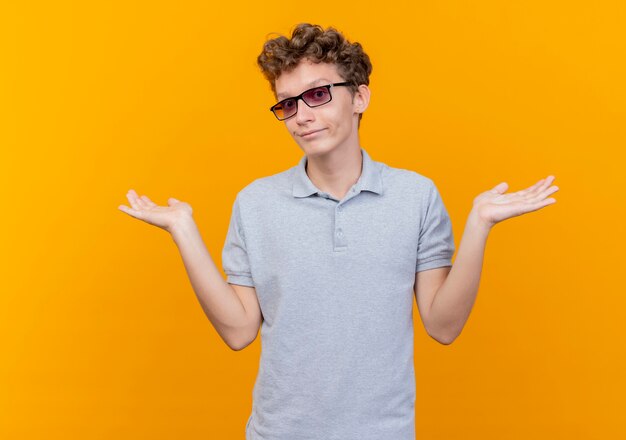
[313, 43]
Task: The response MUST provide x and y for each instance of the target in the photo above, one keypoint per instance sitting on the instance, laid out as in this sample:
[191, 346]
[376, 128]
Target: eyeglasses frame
[300, 96]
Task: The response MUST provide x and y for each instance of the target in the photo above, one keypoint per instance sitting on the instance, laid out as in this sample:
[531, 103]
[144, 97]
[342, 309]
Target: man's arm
[233, 310]
[445, 296]
[453, 300]
[427, 282]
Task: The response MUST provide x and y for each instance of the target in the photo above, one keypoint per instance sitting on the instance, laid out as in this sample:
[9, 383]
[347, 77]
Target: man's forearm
[218, 299]
[454, 300]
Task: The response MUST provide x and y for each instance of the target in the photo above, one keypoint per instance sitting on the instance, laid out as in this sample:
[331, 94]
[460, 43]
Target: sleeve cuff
[242, 280]
[433, 264]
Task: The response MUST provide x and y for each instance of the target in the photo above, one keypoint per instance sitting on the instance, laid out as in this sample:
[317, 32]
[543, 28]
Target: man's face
[335, 123]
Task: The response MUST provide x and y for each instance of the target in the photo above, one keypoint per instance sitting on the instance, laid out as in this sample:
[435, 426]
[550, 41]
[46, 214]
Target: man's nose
[304, 113]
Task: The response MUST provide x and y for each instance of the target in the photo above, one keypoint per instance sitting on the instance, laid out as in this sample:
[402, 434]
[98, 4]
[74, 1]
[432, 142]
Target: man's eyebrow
[311, 84]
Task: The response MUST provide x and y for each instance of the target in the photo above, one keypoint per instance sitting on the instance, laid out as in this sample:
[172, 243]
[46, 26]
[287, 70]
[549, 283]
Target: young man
[325, 258]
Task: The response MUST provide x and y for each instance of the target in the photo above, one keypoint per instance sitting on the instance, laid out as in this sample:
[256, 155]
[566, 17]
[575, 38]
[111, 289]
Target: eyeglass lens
[312, 98]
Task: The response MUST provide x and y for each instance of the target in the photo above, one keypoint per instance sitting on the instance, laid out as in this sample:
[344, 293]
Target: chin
[318, 148]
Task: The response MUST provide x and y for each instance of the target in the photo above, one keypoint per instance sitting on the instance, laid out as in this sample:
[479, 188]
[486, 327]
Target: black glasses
[314, 97]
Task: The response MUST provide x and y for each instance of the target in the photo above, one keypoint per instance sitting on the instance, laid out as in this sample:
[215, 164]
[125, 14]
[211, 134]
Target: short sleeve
[235, 260]
[436, 241]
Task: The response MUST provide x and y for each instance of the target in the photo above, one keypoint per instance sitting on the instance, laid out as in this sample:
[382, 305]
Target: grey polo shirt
[334, 279]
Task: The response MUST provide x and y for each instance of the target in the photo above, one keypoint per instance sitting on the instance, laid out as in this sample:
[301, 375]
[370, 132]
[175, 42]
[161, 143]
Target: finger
[141, 202]
[542, 195]
[132, 199]
[500, 188]
[530, 189]
[129, 211]
[546, 183]
[537, 188]
[546, 192]
[541, 204]
[148, 201]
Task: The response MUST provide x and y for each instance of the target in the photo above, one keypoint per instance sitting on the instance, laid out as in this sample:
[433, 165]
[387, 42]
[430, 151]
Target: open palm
[164, 217]
[493, 206]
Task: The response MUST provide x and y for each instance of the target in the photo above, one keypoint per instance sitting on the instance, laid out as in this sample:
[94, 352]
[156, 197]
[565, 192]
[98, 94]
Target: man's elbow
[235, 347]
[443, 339]
[444, 333]
[446, 341]
[238, 347]
[241, 344]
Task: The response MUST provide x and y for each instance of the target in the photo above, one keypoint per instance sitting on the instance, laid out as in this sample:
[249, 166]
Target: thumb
[171, 201]
[500, 188]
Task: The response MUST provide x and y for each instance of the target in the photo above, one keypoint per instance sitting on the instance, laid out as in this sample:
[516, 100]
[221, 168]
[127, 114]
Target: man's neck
[336, 172]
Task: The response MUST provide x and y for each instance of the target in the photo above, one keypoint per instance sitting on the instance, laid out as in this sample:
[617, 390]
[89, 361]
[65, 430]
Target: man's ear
[361, 98]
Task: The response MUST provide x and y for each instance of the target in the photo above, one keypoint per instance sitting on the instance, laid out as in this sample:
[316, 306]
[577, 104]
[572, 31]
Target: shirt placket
[339, 235]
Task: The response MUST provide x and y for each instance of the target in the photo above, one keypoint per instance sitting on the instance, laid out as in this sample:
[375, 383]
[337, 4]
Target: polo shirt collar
[369, 180]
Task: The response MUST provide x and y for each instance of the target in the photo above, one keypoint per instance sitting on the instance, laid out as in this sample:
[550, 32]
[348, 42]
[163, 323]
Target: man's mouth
[309, 133]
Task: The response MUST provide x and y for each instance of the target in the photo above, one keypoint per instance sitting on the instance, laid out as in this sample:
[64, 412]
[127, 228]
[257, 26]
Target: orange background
[101, 334]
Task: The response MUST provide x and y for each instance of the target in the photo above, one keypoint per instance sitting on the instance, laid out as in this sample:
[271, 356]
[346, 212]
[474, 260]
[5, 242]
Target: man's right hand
[165, 217]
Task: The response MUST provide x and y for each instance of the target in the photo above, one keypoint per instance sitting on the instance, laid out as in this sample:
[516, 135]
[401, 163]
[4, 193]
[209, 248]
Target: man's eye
[288, 104]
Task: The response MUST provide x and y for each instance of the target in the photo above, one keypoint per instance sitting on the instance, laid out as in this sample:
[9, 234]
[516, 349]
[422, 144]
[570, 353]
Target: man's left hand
[493, 206]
